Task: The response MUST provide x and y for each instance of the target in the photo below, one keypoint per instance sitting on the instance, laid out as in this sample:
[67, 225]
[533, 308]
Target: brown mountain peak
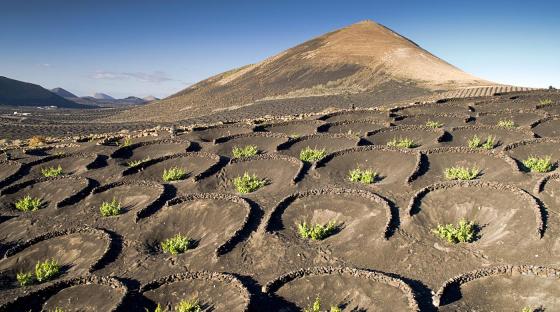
[359, 58]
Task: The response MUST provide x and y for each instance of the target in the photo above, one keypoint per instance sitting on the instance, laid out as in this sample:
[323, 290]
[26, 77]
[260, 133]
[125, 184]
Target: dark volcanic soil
[246, 252]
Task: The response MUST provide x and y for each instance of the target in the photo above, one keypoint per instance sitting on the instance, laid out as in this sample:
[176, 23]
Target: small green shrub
[190, 305]
[545, 101]
[126, 142]
[158, 309]
[354, 134]
[506, 123]
[51, 171]
[476, 142]
[294, 136]
[37, 140]
[317, 231]
[28, 203]
[490, 143]
[537, 164]
[367, 176]
[247, 151]
[57, 309]
[316, 307]
[248, 183]
[461, 173]
[434, 124]
[174, 174]
[464, 232]
[309, 154]
[111, 208]
[46, 270]
[176, 244]
[24, 278]
[136, 163]
[402, 143]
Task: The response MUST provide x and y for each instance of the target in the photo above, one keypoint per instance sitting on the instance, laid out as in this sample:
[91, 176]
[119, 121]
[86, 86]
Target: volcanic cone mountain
[361, 58]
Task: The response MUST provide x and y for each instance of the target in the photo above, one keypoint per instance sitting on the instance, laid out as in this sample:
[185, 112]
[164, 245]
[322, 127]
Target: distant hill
[132, 100]
[18, 93]
[112, 102]
[63, 93]
[99, 99]
[363, 58]
[150, 98]
[103, 96]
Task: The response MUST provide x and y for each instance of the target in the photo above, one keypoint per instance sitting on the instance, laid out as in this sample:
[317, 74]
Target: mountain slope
[63, 93]
[357, 59]
[18, 93]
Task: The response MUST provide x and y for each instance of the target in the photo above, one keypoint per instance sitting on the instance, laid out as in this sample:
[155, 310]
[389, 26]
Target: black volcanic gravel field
[246, 251]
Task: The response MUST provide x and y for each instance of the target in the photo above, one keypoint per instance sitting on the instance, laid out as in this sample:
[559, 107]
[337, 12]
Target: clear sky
[159, 47]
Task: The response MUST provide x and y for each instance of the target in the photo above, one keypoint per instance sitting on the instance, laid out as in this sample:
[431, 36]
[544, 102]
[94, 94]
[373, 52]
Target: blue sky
[159, 47]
